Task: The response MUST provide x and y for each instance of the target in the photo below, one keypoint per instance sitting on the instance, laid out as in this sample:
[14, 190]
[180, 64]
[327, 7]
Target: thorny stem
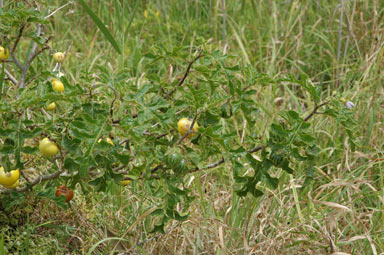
[43, 178]
[10, 76]
[181, 82]
[24, 69]
[314, 111]
[21, 29]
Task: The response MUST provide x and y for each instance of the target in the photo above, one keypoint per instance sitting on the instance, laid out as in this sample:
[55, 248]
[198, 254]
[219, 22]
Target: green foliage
[140, 118]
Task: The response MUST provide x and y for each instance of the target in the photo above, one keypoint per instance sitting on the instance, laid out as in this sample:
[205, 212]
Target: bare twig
[10, 76]
[43, 178]
[215, 164]
[21, 29]
[31, 57]
[153, 170]
[34, 46]
[37, 53]
[18, 64]
[124, 141]
[257, 148]
[58, 9]
[314, 111]
[25, 177]
[181, 82]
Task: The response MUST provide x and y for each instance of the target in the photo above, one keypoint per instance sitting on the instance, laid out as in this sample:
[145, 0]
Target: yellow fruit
[57, 86]
[59, 57]
[48, 148]
[183, 126]
[108, 140]
[51, 107]
[8, 179]
[125, 182]
[13, 186]
[4, 53]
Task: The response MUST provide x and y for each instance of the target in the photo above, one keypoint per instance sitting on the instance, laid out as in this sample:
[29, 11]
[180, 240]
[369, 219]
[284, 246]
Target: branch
[215, 164]
[10, 76]
[42, 178]
[31, 57]
[257, 148]
[58, 9]
[181, 82]
[314, 111]
[18, 64]
[25, 68]
[21, 29]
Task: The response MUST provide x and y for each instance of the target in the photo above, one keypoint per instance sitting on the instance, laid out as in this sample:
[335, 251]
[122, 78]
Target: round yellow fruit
[125, 182]
[51, 107]
[8, 179]
[183, 127]
[4, 53]
[59, 57]
[13, 186]
[57, 86]
[48, 148]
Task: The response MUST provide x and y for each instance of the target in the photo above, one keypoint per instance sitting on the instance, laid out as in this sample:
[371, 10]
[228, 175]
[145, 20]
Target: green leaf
[286, 167]
[157, 212]
[256, 193]
[250, 186]
[158, 229]
[273, 182]
[7, 149]
[29, 150]
[309, 175]
[101, 26]
[124, 159]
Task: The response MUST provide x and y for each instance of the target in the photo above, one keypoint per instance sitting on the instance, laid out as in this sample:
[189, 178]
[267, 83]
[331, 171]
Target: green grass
[341, 211]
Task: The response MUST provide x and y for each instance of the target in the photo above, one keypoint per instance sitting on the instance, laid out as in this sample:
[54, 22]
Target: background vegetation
[332, 204]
